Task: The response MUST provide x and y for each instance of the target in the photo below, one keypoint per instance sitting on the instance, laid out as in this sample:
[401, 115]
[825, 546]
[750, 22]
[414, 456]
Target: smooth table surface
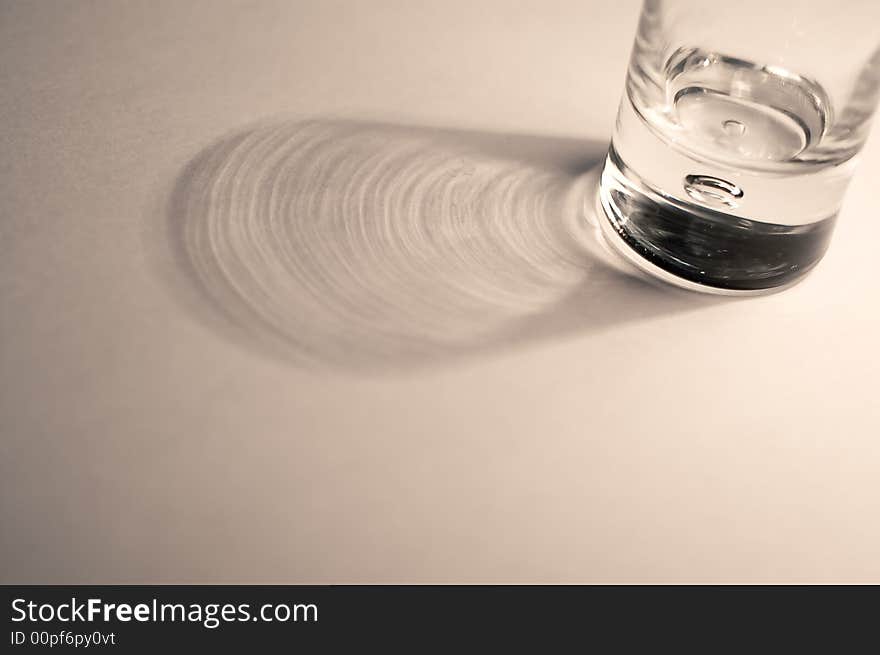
[299, 292]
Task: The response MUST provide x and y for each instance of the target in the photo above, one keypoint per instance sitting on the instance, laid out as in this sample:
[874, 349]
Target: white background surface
[725, 441]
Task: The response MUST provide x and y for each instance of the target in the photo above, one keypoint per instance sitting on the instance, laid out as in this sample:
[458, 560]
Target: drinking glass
[737, 136]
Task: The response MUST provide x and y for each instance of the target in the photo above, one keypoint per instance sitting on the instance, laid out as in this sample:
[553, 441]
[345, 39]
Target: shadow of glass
[367, 246]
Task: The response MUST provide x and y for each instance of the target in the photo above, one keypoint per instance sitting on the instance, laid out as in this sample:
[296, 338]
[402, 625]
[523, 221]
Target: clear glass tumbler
[737, 136]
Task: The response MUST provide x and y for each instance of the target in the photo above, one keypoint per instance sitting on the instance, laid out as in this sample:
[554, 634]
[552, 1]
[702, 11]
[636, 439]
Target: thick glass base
[702, 249]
